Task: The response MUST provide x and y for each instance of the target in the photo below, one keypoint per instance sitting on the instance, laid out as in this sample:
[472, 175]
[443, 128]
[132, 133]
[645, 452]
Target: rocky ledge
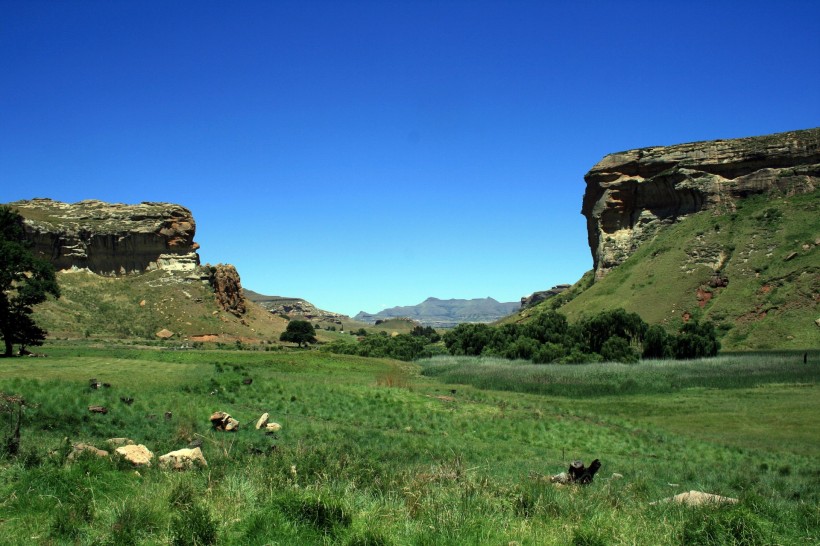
[111, 238]
[631, 195]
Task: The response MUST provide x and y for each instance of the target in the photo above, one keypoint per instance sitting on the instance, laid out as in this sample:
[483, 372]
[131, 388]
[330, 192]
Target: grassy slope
[770, 302]
[109, 307]
[404, 458]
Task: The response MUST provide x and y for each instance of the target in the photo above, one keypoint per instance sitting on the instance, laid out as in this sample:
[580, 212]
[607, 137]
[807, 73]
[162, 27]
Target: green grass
[373, 452]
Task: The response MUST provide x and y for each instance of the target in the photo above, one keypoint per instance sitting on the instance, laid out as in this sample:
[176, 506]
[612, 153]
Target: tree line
[609, 336]
[612, 336]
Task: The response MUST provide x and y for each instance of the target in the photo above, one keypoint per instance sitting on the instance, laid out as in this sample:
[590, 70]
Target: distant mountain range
[446, 313]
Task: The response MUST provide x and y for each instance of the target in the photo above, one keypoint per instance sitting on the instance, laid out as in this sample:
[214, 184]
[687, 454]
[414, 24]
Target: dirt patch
[205, 337]
[703, 297]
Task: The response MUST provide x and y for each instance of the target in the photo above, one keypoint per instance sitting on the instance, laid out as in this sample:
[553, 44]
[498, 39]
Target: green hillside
[755, 272]
[139, 306]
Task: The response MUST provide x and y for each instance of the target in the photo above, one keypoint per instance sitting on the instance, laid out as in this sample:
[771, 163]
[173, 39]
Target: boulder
[273, 427]
[262, 421]
[164, 334]
[183, 459]
[221, 420]
[137, 455]
[79, 449]
[697, 498]
[119, 442]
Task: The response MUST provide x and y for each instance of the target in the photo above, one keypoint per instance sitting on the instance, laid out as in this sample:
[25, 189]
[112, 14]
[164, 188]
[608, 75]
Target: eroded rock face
[631, 195]
[111, 238]
[228, 289]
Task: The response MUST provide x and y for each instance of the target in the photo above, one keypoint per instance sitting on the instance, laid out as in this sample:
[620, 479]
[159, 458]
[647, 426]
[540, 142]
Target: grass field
[384, 452]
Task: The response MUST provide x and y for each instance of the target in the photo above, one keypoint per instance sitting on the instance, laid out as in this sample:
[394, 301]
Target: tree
[25, 281]
[696, 340]
[299, 331]
[656, 342]
[617, 349]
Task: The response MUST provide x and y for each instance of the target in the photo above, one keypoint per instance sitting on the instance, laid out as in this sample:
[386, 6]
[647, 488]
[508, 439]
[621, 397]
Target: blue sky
[363, 155]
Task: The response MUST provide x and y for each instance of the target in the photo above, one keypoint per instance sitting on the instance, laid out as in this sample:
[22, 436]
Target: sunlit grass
[363, 459]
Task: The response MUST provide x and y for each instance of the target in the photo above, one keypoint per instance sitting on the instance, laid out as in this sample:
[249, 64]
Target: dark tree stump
[583, 475]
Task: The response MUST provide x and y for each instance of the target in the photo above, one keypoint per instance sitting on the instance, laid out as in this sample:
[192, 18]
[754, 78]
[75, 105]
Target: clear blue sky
[363, 155]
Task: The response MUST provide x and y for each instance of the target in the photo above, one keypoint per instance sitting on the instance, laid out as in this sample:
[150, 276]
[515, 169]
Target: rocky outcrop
[543, 295]
[111, 239]
[228, 289]
[631, 195]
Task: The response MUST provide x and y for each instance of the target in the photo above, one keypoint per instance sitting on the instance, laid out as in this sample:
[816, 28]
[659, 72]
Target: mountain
[724, 230]
[445, 313]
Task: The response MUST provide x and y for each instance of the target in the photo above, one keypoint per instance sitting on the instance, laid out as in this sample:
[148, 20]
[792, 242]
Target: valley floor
[374, 451]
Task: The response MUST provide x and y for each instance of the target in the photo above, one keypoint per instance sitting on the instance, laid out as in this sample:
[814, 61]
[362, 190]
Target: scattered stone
[106, 385]
[118, 442]
[164, 334]
[272, 427]
[94, 384]
[223, 421]
[262, 421]
[79, 449]
[98, 409]
[183, 459]
[197, 442]
[791, 256]
[561, 479]
[142, 303]
[137, 455]
[127, 400]
[697, 498]
[617, 476]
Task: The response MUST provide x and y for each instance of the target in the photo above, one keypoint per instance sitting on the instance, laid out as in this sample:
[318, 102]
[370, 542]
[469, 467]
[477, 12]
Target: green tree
[696, 340]
[299, 331]
[595, 330]
[25, 281]
[617, 349]
[656, 342]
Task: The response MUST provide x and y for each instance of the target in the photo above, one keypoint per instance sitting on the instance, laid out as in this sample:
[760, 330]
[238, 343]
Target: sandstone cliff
[111, 239]
[630, 195]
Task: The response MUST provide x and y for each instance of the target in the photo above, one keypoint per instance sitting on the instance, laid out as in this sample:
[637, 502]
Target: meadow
[444, 451]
